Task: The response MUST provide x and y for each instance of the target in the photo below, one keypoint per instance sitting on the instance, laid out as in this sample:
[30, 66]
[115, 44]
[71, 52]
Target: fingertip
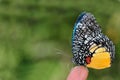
[78, 73]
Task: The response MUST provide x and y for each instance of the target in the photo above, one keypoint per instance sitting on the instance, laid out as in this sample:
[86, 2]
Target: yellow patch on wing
[100, 60]
[93, 47]
[102, 49]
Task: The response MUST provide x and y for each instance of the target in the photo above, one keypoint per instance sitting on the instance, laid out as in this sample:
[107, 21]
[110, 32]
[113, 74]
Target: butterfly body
[88, 40]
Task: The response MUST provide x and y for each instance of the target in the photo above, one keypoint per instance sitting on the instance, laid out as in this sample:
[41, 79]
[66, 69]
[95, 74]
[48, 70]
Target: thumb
[78, 73]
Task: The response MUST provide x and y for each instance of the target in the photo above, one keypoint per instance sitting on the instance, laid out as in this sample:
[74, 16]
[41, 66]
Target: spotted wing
[86, 33]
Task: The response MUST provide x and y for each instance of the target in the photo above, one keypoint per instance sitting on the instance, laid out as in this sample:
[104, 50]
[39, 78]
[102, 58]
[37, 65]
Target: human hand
[78, 73]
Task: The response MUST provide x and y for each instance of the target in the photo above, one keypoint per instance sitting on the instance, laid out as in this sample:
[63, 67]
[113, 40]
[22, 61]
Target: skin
[78, 73]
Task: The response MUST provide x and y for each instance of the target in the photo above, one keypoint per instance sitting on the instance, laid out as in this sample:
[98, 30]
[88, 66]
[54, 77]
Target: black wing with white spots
[86, 33]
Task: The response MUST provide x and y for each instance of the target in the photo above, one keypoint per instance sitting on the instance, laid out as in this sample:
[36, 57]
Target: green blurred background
[35, 37]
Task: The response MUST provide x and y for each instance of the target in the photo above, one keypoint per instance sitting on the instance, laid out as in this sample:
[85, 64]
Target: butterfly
[90, 47]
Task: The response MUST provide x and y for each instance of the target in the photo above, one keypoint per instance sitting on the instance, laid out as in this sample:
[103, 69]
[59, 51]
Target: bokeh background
[35, 37]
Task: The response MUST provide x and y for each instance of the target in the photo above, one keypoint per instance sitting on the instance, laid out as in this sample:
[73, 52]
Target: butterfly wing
[87, 33]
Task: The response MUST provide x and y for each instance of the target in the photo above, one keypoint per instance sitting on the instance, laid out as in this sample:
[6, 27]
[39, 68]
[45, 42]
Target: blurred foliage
[35, 37]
